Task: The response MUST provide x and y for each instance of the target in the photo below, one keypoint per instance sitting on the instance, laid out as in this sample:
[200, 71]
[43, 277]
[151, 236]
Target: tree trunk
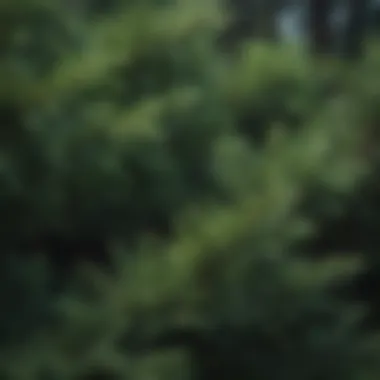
[320, 28]
[250, 19]
[355, 31]
[264, 19]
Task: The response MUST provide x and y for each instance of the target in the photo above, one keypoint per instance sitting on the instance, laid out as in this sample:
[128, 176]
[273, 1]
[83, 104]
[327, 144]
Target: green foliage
[229, 276]
[137, 127]
[87, 123]
[272, 85]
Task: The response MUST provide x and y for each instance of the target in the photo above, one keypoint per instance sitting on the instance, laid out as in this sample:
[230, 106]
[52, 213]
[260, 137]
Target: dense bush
[117, 135]
[196, 182]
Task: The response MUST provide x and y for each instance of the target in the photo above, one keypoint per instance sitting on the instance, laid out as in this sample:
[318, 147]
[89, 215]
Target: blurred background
[189, 189]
